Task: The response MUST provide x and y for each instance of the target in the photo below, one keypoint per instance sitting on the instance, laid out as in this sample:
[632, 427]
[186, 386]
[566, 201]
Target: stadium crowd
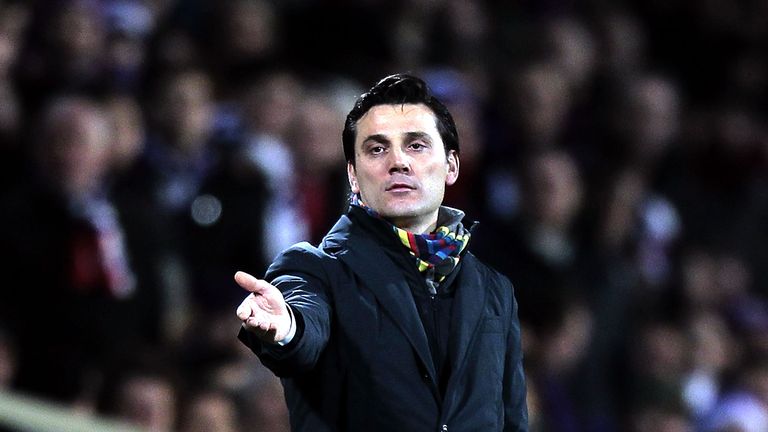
[614, 153]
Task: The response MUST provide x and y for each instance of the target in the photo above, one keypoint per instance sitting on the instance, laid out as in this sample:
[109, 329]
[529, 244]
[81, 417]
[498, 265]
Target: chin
[399, 213]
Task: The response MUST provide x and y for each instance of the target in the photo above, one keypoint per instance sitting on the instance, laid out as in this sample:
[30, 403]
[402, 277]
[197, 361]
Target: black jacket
[360, 360]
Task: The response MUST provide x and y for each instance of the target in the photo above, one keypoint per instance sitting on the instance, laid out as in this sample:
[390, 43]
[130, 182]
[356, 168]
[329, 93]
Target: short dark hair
[399, 89]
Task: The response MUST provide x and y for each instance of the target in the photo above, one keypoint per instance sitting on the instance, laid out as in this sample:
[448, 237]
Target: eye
[375, 150]
[417, 145]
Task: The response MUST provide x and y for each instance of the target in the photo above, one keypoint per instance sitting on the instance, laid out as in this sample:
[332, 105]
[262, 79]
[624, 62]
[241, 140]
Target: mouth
[400, 187]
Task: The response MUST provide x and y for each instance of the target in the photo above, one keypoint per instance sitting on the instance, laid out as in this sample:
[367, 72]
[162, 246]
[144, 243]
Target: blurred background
[614, 153]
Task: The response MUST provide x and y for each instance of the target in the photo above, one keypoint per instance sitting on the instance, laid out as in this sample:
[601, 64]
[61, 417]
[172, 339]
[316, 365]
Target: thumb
[250, 283]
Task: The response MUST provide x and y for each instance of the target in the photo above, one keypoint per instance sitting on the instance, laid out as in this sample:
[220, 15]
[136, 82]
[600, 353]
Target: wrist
[291, 328]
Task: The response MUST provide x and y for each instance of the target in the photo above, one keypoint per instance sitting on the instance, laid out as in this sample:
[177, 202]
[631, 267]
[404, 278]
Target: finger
[258, 322]
[252, 322]
[244, 310]
[251, 283]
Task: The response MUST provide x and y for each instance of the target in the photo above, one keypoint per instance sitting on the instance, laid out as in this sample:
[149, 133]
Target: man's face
[401, 168]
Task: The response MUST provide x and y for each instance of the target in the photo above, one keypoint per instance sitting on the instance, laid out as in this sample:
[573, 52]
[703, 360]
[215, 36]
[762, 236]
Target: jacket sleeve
[299, 274]
[514, 392]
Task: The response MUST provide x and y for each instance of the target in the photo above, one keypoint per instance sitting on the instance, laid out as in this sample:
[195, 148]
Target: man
[90, 261]
[390, 325]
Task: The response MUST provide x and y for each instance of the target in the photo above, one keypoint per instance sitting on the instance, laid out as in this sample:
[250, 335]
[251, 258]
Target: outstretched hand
[263, 312]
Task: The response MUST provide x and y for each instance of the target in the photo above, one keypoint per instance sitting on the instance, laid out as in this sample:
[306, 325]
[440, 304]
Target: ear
[352, 177]
[453, 168]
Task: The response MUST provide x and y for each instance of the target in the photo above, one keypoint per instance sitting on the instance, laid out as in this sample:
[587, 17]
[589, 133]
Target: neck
[416, 225]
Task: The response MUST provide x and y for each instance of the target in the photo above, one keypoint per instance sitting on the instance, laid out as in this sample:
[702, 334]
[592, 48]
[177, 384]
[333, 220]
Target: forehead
[393, 120]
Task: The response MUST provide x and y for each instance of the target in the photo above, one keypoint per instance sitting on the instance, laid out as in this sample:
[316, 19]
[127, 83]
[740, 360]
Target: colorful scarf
[436, 253]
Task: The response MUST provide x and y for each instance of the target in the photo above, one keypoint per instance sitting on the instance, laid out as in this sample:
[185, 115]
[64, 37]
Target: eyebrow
[379, 138]
[420, 136]
[383, 139]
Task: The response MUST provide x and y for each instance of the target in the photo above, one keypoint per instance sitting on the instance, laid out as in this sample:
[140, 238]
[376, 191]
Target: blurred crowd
[614, 153]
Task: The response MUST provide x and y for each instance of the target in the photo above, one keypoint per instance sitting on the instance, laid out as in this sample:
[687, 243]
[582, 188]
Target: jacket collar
[340, 232]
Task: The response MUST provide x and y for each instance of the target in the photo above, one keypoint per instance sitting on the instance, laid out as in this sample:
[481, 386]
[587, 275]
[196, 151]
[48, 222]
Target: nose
[398, 162]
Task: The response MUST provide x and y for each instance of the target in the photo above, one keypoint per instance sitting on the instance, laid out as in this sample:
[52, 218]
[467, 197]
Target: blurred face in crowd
[624, 42]
[314, 135]
[270, 104]
[78, 31]
[651, 117]
[466, 115]
[7, 54]
[127, 130]
[187, 111]
[249, 28]
[572, 48]
[554, 188]
[663, 352]
[713, 344]
[266, 410]
[541, 102]
[211, 413]
[401, 167]
[76, 148]
[148, 402]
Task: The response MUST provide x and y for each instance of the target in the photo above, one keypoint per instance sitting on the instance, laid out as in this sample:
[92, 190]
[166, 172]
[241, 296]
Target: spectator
[322, 182]
[210, 411]
[66, 54]
[270, 107]
[65, 229]
[13, 156]
[147, 402]
[142, 389]
[543, 249]
[129, 131]
[191, 188]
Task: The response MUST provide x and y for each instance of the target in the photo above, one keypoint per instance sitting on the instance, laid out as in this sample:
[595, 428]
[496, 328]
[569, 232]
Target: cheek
[438, 175]
[366, 176]
[364, 185]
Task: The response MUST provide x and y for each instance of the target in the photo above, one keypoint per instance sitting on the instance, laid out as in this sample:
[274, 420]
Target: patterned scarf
[436, 253]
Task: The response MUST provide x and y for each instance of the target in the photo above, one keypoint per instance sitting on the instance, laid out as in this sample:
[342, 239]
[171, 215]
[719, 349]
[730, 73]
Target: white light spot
[206, 210]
